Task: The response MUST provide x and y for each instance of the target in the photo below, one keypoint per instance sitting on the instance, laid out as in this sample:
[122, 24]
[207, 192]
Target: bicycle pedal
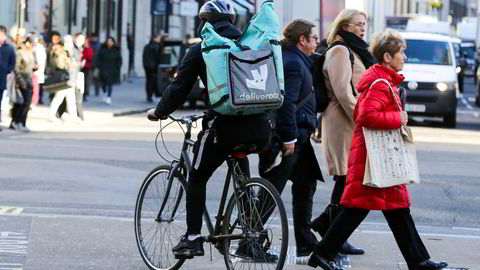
[183, 257]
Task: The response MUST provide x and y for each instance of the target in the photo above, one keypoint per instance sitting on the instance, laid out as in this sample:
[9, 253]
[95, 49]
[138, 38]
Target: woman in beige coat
[346, 46]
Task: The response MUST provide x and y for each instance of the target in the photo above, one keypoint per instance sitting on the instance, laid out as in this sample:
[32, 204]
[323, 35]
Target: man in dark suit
[295, 122]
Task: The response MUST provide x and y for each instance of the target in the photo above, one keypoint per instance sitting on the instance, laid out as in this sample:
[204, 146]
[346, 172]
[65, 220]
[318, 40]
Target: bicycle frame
[182, 167]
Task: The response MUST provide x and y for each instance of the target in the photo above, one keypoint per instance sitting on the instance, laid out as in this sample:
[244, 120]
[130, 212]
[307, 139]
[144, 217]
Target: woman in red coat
[87, 56]
[376, 109]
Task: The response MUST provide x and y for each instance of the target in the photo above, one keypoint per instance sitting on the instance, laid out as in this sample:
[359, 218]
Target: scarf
[359, 46]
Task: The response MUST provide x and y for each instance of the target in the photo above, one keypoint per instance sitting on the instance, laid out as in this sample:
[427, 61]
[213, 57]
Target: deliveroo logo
[259, 78]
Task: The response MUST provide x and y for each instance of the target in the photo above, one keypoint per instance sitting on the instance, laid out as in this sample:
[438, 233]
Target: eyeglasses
[360, 24]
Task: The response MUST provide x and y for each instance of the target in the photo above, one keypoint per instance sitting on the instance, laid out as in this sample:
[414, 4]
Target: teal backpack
[245, 76]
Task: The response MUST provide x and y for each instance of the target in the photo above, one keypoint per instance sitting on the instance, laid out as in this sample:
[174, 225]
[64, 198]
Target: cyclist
[220, 134]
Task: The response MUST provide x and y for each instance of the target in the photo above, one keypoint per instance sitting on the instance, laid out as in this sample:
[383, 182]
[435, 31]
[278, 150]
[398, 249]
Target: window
[428, 52]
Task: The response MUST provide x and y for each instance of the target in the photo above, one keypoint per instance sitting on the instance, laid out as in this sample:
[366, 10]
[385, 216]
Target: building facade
[137, 19]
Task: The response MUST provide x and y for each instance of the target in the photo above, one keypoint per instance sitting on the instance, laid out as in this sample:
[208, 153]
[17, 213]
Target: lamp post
[50, 19]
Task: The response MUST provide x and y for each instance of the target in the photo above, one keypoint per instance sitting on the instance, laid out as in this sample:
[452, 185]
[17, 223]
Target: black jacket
[190, 69]
[151, 55]
[109, 62]
[293, 123]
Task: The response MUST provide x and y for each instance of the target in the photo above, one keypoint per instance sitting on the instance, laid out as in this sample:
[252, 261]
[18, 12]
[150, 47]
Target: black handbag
[56, 80]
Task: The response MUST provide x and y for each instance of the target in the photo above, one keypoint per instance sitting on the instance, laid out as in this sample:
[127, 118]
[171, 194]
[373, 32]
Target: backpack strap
[214, 47]
[302, 102]
[352, 60]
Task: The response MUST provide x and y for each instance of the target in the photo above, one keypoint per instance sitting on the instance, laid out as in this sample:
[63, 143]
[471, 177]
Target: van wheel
[450, 120]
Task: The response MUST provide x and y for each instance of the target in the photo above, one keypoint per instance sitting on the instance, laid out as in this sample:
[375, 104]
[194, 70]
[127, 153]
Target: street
[67, 196]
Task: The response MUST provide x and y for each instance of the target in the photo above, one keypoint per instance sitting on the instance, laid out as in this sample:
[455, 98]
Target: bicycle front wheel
[258, 214]
[159, 219]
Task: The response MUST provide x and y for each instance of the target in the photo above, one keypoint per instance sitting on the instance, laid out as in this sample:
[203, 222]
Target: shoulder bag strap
[391, 91]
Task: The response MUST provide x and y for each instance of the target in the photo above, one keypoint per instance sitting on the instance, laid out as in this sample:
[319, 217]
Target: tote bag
[391, 154]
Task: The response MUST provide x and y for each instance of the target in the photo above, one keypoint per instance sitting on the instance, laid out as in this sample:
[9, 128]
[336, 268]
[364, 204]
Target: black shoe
[304, 251]
[317, 261]
[430, 265]
[348, 249]
[186, 249]
[250, 249]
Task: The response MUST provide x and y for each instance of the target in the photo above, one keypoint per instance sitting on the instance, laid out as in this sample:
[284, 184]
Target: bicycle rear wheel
[259, 214]
[159, 218]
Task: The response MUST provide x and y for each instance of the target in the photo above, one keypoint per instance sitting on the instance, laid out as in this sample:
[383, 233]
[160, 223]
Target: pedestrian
[131, 51]
[87, 57]
[25, 64]
[346, 42]
[58, 59]
[109, 62]
[95, 45]
[78, 42]
[41, 56]
[7, 63]
[151, 59]
[295, 122]
[376, 109]
[185, 45]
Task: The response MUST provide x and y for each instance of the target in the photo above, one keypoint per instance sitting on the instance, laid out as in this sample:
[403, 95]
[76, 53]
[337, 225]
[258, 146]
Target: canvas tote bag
[391, 154]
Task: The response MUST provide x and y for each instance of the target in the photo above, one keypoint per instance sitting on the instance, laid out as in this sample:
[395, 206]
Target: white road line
[466, 103]
[464, 236]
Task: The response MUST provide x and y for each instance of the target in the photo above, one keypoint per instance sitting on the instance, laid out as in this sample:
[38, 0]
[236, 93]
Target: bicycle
[252, 227]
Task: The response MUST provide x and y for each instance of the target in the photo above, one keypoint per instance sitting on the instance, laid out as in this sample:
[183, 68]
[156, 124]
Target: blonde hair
[343, 18]
[388, 41]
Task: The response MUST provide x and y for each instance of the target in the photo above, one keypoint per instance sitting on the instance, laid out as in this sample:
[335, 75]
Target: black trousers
[151, 85]
[297, 168]
[400, 222]
[20, 111]
[214, 143]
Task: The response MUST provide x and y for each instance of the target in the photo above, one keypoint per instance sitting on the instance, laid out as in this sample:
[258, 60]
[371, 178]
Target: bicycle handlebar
[187, 120]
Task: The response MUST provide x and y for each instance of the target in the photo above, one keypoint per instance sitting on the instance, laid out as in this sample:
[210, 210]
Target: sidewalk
[127, 98]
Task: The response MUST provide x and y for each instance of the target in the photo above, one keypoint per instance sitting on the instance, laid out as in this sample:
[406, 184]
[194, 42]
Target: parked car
[430, 76]
[167, 70]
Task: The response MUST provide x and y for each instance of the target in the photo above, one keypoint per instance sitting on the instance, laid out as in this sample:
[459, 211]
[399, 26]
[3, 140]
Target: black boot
[318, 261]
[430, 265]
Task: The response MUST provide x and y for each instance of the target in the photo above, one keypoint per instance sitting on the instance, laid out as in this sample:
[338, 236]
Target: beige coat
[337, 120]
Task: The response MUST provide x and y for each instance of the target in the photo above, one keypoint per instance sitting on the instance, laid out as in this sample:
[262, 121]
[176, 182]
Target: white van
[430, 76]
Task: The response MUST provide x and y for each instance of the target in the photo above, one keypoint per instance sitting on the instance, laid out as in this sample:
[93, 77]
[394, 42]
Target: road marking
[10, 211]
[12, 243]
[10, 266]
[471, 99]
[465, 102]
[425, 234]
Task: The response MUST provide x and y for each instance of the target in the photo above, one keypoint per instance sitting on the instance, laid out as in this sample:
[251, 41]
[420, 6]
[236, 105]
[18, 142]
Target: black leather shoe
[255, 251]
[430, 265]
[317, 261]
[348, 249]
[304, 251]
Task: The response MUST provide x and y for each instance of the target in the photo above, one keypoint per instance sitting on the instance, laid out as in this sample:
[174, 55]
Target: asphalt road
[67, 198]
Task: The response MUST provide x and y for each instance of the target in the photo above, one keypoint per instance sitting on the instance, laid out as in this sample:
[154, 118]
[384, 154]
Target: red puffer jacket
[375, 109]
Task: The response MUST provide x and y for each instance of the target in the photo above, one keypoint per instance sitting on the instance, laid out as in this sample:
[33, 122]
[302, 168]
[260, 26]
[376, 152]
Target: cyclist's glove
[152, 115]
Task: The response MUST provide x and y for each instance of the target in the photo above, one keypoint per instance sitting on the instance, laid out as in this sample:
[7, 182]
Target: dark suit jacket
[293, 123]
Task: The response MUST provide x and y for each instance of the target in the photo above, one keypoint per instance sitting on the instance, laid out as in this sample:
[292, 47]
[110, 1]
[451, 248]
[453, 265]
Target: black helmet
[215, 10]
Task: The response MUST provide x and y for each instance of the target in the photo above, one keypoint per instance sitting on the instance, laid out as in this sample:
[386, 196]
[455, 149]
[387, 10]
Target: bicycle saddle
[241, 151]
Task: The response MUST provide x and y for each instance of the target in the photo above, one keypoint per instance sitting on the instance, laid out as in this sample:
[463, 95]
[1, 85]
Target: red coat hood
[375, 72]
